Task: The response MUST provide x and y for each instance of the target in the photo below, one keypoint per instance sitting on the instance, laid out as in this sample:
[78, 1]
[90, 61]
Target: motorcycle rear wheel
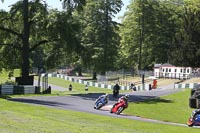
[99, 106]
[119, 110]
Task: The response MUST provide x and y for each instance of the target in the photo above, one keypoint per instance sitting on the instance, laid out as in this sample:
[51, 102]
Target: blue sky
[56, 4]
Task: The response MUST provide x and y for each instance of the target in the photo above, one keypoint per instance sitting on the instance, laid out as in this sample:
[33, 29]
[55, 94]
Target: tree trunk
[25, 79]
[79, 71]
[105, 66]
[25, 47]
[94, 77]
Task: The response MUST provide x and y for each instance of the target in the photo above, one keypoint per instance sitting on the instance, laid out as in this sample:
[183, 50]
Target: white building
[170, 71]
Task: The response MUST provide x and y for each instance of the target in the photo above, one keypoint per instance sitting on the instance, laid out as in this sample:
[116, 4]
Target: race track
[85, 103]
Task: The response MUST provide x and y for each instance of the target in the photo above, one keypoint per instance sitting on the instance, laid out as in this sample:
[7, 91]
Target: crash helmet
[126, 96]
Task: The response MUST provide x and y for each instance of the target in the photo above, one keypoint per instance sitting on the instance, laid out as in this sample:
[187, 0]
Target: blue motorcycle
[194, 121]
[100, 102]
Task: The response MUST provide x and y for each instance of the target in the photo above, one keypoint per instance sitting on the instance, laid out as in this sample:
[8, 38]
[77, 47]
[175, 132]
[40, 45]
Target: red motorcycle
[119, 106]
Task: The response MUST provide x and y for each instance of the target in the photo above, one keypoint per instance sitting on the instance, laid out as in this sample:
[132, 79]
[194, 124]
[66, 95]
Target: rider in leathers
[105, 97]
[122, 98]
[194, 113]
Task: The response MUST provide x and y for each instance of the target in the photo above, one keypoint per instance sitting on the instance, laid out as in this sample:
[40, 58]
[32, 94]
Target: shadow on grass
[35, 101]
[5, 96]
[89, 79]
[155, 100]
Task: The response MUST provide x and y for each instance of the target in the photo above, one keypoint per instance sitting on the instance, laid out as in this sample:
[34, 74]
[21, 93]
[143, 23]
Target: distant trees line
[84, 35]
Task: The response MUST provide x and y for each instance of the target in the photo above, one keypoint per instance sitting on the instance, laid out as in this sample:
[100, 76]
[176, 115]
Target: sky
[57, 4]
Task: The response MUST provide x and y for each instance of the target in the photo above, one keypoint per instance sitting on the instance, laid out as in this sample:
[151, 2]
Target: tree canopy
[165, 30]
[84, 34]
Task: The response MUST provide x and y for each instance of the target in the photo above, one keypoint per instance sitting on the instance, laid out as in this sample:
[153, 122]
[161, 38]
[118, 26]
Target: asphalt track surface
[85, 102]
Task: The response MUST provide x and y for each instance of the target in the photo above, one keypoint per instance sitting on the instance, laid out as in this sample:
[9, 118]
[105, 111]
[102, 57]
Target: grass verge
[173, 108]
[23, 118]
[77, 88]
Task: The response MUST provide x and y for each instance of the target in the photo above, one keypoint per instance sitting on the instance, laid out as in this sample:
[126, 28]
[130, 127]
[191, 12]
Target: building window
[181, 70]
[170, 70]
[163, 70]
[188, 70]
[166, 69]
[175, 70]
[184, 70]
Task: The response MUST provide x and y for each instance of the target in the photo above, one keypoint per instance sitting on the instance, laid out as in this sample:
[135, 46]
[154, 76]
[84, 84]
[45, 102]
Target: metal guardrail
[142, 87]
[18, 89]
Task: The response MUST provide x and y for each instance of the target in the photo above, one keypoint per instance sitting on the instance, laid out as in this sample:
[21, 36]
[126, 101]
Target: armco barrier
[7, 89]
[144, 87]
[29, 89]
[19, 89]
[182, 86]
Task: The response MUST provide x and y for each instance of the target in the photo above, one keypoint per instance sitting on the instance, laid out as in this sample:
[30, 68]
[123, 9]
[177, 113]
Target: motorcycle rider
[133, 87]
[116, 89]
[194, 113]
[122, 98]
[125, 98]
[105, 98]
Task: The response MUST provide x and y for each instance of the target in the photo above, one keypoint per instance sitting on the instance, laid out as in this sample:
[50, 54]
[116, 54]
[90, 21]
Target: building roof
[157, 65]
[167, 65]
[163, 65]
